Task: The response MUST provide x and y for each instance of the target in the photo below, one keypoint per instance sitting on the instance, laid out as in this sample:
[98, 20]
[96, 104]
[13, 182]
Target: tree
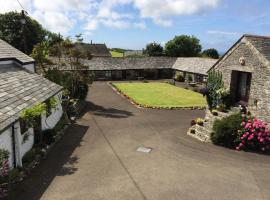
[11, 31]
[183, 46]
[153, 49]
[211, 53]
[76, 81]
[41, 55]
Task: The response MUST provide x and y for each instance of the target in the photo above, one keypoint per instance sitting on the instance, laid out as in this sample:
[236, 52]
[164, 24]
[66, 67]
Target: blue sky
[134, 23]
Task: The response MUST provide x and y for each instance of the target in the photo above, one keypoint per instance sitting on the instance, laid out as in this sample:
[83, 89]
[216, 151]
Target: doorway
[240, 86]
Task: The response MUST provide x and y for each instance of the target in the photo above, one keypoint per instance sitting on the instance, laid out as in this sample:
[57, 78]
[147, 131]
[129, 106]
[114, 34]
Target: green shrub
[200, 121]
[225, 130]
[221, 107]
[215, 112]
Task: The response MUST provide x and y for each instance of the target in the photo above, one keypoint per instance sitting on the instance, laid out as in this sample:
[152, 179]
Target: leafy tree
[11, 31]
[41, 55]
[54, 38]
[211, 53]
[76, 81]
[183, 46]
[153, 49]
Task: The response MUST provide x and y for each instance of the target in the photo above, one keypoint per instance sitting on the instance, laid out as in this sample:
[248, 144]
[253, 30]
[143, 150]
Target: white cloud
[62, 25]
[63, 15]
[163, 22]
[91, 25]
[119, 24]
[160, 10]
[56, 15]
[218, 32]
[14, 6]
[139, 25]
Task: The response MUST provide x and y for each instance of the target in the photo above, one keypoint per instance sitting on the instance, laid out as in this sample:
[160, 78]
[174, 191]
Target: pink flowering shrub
[4, 170]
[253, 135]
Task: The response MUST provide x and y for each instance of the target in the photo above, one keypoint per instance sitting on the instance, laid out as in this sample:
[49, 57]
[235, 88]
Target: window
[23, 126]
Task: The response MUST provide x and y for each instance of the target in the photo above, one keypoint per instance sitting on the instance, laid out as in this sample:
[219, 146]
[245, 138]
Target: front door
[243, 86]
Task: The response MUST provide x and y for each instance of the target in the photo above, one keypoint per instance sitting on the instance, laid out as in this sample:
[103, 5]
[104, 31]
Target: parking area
[98, 159]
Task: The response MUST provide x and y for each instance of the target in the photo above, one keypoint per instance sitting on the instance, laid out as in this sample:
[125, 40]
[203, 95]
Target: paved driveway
[97, 159]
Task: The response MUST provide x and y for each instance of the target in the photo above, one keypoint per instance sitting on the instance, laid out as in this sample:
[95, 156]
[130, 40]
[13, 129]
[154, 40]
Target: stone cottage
[21, 88]
[246, 72]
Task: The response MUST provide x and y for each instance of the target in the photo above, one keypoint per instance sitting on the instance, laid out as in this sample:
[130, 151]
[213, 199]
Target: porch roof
[194, 65]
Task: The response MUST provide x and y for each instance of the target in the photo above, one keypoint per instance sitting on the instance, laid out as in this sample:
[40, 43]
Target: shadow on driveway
[58, 163]
[105, 112]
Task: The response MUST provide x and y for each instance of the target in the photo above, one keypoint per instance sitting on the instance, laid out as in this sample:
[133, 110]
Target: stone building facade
[151, 68]
[246, 72]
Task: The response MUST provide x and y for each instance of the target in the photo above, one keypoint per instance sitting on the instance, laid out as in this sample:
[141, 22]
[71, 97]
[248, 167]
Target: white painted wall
[6, 62]
[49, 122]
[6, 143]
[30, 67]
[26, 145]
[21, 146]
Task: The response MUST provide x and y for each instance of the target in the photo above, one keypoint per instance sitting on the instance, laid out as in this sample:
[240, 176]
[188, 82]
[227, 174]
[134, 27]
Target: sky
[131, 24]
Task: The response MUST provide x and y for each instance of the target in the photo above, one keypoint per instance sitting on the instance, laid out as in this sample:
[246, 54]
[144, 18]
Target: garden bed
[160, 96]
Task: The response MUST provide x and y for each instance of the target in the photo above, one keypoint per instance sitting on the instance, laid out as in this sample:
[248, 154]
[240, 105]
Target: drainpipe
[13, 146]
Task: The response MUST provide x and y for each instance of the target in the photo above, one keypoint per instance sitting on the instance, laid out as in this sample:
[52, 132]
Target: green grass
[116, 54]
[161, 95]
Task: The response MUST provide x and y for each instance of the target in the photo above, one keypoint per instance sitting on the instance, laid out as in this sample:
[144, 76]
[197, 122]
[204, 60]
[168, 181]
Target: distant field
[161, 95]
[116, 54]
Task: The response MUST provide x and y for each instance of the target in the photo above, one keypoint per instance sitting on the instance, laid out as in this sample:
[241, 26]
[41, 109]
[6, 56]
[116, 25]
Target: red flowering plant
[253, 135]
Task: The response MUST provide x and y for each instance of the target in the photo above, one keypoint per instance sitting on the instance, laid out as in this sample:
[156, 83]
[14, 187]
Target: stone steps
[203, 132]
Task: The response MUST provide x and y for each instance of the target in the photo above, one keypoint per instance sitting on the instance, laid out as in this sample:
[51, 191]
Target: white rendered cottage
[21, 88]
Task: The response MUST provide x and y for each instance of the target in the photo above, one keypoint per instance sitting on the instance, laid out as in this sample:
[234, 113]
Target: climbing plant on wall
[214, 86]
[32, 115]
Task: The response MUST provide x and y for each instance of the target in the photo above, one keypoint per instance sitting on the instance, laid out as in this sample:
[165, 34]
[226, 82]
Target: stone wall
[259, 103]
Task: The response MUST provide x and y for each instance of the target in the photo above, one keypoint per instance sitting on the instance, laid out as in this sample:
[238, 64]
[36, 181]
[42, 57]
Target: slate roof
[110, 63]
[194, 64]
[8, 52]
[261, 43]
[96, 50]
[20, 89]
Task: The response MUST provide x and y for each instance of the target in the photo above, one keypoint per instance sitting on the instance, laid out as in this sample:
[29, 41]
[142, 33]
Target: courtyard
[162, 95]
[97, 159]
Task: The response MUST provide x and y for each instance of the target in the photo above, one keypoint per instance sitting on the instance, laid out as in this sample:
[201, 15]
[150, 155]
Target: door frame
[236, 84]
